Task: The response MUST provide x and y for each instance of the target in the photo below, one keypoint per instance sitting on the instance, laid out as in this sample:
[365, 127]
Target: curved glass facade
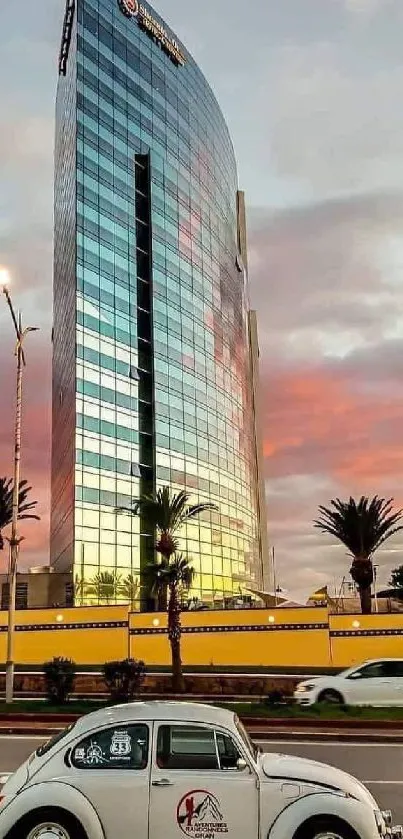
[152, 367]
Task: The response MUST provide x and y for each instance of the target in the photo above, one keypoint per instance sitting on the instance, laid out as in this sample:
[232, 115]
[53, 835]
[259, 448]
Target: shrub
[275, 698]
[124, 679]
[60, 676]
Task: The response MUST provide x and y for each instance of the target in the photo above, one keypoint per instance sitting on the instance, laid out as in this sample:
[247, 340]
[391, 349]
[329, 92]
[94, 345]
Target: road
[379, 766]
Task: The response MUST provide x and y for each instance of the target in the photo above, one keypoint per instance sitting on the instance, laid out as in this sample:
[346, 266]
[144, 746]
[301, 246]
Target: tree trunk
[366, 601]
[362, 572]
[178, 682]
[174, 635]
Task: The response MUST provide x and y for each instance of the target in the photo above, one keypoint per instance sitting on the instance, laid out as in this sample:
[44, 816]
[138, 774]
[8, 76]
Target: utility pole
[273, 559]
[14, 539]
[375, 589]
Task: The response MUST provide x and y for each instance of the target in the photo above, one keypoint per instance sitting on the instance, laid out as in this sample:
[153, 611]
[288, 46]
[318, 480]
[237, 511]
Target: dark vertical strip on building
[146, 356]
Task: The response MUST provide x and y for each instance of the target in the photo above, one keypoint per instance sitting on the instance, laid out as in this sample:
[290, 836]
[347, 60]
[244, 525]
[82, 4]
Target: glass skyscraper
[152, 353]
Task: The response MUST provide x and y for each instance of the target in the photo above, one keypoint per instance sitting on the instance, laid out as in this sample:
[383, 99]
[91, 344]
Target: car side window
[371, 671]
[186, 747]
[393, 669]
[194, 747]
[227, 751]
[119, 747]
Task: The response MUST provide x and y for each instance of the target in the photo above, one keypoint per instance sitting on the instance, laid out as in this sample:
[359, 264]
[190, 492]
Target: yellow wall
[88, 635]
[241, 638]
[249, 638]
[355, 638]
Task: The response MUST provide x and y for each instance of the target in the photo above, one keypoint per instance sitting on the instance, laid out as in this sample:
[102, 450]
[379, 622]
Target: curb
[324, 724]
[24, 731]
[320, 736]
[65, 719]
[46, 725]
[266, 734]
[28, 720]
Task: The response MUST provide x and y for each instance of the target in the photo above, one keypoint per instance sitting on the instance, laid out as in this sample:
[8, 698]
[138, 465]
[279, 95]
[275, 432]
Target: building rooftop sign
[132, 8]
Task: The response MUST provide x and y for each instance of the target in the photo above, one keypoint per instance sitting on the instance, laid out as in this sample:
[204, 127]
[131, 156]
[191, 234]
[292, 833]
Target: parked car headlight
[305, 688]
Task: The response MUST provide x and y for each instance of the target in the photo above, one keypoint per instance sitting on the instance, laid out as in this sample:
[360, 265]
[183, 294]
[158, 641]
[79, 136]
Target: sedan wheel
[331, 697]
[48, 830]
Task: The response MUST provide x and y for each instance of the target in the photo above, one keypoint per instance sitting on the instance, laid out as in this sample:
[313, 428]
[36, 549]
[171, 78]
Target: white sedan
[377, 682]
[165, 770]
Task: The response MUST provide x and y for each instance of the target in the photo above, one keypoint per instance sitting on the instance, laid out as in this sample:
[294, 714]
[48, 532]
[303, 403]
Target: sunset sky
[312, 91]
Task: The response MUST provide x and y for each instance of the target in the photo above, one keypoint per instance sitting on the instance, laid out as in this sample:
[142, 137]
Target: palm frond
[6, 503]
[165, 513]
[21, 518]
[104, 585]
[130, 588]
[361, 526]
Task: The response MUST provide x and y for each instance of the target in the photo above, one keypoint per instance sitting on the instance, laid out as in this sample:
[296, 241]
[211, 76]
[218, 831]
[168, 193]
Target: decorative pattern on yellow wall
[42, 627]
[189, 630]
[364, 633]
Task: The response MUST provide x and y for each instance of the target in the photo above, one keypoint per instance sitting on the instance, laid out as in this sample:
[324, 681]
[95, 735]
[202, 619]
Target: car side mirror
[241, 764]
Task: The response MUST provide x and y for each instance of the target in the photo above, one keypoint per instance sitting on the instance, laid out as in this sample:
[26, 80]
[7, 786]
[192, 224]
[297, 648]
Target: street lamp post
[375, 589]
[15, 539]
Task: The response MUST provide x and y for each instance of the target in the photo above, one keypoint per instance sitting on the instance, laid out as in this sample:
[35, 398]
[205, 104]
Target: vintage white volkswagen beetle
[164, 770]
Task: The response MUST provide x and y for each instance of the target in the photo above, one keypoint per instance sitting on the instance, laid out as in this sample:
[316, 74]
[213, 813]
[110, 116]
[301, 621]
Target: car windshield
[355, 669]
[46, 747]
[251, 747]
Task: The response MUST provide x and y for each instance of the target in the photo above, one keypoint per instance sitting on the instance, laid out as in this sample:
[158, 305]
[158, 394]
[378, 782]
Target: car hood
[291, 768]
[316, 680]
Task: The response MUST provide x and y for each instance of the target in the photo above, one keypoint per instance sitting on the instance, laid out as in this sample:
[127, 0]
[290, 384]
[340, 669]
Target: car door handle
[163, 782]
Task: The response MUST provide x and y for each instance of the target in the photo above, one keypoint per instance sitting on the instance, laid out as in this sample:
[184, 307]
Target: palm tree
[362, 527]
[130, 588]
[178, 576]
[165, 514]
[104, 586]
[80, 588]
[6, 504]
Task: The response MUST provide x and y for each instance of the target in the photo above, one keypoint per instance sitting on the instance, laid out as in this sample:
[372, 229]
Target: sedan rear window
[120, 747]
[57, 738]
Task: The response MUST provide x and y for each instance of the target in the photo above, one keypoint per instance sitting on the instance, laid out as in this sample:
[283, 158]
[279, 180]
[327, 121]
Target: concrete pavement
[379, 766]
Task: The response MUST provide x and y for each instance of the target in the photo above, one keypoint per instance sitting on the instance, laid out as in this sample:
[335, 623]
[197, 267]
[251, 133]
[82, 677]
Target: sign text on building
[132, 8]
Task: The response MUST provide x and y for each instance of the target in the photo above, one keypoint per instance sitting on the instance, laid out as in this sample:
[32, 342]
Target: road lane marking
[324, 743]
[21, 737]
[383, 783]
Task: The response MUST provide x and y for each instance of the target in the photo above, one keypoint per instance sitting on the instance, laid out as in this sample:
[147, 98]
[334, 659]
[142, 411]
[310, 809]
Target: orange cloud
[320, 421]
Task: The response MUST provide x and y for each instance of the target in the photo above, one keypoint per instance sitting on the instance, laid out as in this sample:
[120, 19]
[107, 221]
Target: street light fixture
[14, 539]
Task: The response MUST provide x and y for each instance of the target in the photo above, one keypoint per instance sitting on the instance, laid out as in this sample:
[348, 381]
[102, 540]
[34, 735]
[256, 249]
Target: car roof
[163, 711]
[375, 660]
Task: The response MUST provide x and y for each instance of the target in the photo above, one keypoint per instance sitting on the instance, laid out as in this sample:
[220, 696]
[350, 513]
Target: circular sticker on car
[199, 815]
